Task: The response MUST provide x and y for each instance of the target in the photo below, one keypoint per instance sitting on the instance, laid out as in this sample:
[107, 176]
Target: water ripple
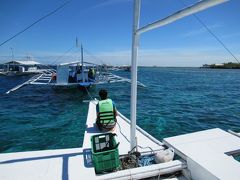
[176, 101]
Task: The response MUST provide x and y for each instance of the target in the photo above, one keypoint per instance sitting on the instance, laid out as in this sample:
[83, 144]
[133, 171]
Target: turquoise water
[176, 101]
[237, 158]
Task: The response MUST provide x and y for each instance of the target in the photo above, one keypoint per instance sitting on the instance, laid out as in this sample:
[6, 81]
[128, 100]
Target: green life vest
[106, 113]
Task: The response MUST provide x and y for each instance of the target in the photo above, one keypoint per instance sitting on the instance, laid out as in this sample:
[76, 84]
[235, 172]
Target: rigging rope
[120, 129]
[61, 56]
[93, 100]
[214, 35]
[89, 93]
[93, 56]
[47, 15]
[217, 38]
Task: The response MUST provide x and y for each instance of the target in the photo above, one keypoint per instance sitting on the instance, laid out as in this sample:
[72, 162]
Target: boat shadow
[93, 129]
[86, 153]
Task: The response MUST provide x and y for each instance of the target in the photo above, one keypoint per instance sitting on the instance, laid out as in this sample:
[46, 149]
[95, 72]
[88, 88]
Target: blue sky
[105, 26]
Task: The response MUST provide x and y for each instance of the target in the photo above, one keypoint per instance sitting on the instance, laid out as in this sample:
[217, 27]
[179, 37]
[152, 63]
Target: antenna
[77, 45]
[12, 54]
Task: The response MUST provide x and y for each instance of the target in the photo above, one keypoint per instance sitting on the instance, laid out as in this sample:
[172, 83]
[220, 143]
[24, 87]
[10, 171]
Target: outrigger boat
[204, 155]
[78, 74]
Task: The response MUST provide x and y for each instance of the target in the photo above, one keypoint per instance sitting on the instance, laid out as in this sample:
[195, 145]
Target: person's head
[103, 94]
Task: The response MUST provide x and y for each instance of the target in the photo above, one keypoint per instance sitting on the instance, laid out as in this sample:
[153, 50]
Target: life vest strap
[105, 112]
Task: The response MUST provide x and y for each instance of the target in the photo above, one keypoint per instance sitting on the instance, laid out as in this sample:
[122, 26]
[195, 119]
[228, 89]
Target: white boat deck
[206, 153]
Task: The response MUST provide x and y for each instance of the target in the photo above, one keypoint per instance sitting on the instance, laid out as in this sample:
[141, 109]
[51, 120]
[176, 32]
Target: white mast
[12, 54]
[83, 78]
[135, 44]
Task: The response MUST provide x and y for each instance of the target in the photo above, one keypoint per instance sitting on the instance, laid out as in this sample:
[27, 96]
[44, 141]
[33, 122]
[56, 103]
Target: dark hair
[103, 94]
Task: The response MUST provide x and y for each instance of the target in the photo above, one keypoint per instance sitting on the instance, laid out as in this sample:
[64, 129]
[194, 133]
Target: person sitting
[106, 112]
[91, 74]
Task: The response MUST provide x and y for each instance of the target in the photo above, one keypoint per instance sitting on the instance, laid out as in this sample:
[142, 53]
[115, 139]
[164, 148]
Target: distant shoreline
[228, 65]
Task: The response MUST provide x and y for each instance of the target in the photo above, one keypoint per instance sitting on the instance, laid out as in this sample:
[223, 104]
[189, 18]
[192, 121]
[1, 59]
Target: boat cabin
[74, 72]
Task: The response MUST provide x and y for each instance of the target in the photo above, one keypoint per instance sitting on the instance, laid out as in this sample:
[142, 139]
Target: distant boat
[20, 68]
[80, 74]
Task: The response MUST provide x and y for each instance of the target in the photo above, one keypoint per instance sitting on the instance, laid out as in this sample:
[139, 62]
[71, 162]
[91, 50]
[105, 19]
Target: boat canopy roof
[23, 62]
[75, 63]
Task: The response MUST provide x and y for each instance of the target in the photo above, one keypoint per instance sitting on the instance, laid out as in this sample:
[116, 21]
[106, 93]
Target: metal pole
[83, 78]
[199, 6]
[135, 44]
[12, 54]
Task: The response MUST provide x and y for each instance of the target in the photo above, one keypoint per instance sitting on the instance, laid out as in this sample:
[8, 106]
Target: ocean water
[175, 101]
